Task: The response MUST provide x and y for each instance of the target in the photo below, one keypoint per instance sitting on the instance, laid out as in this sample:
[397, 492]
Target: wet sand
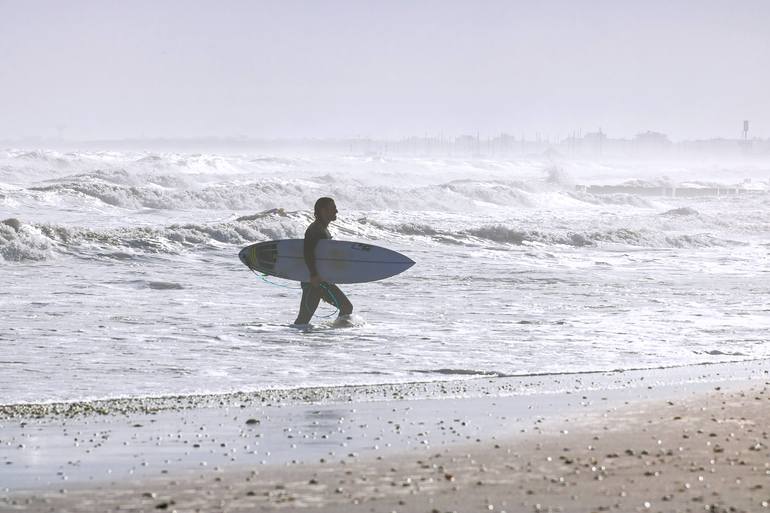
[697, 446]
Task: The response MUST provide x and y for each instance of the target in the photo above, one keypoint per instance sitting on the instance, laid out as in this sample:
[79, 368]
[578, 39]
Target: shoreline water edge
[539, 443]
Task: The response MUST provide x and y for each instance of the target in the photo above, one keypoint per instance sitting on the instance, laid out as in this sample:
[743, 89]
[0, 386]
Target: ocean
[120, 274]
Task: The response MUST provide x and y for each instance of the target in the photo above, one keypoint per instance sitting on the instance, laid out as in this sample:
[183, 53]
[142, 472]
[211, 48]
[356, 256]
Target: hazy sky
[109, 69]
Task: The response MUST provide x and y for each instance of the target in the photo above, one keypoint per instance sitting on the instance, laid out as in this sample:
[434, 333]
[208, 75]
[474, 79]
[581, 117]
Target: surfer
[316, 289]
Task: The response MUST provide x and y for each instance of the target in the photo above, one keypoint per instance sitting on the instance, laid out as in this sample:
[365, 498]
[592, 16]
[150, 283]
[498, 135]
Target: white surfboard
[338, 261]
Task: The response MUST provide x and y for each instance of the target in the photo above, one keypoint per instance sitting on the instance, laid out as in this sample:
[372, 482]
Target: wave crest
[29, 242]
[19, 242]
[501, 234]
[25, 242]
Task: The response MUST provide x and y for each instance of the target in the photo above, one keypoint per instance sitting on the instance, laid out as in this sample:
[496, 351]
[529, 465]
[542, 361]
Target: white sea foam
[122, 275]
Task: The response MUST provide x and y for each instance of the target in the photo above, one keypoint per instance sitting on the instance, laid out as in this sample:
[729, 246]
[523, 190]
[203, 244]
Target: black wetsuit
[329, 292]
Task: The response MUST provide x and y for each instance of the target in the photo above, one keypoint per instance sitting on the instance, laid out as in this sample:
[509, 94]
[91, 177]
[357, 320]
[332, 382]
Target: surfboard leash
[331, 294]
[263, 277]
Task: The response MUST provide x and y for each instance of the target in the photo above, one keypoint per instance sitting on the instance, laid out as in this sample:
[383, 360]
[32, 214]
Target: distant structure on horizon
[647, 144]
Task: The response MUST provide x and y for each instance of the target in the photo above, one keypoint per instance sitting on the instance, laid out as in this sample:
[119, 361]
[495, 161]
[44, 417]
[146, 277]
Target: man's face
[330, 212]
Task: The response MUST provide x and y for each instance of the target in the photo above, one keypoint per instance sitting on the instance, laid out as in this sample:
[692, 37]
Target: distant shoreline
[644, 146]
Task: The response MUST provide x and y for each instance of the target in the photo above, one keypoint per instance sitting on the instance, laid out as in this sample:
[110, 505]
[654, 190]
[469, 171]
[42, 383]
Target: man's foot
[346, 320]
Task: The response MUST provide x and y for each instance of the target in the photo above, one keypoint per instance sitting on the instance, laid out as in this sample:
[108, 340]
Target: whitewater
[120, 275]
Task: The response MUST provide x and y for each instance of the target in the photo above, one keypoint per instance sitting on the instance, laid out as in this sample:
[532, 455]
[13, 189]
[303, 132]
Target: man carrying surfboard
[316, 289]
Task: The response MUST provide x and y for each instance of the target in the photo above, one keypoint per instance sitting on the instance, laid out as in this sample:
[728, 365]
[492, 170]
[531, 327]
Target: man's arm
[311, 241]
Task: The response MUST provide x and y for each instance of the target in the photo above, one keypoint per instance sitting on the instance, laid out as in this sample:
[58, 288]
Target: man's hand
[316, 280]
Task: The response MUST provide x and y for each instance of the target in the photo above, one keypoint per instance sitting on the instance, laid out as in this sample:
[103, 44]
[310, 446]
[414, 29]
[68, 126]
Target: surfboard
[338, 261]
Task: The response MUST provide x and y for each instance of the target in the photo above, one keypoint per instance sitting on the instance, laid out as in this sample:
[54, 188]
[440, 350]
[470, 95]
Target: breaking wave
[173, 193]
[682, 211]
[20, 242]
[31, 242]
[433, 201]
[622, 236]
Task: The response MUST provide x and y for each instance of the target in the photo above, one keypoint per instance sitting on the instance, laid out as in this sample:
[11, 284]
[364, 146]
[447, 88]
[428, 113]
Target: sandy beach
[695, 444]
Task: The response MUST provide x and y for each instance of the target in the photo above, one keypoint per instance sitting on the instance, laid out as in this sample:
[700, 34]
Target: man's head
[325, 210]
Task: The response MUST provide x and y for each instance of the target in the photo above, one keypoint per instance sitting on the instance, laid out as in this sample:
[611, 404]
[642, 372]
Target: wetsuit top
[315, 232]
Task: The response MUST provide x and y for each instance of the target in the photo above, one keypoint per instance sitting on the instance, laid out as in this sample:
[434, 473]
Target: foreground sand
[709, 452]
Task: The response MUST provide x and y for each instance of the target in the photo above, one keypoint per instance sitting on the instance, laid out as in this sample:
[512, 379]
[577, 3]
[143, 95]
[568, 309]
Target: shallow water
[121, 277]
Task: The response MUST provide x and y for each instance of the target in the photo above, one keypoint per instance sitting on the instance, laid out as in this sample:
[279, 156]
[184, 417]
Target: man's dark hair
[321, 203]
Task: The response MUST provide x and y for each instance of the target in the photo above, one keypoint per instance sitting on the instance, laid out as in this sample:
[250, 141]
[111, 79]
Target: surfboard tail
[260, 257]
